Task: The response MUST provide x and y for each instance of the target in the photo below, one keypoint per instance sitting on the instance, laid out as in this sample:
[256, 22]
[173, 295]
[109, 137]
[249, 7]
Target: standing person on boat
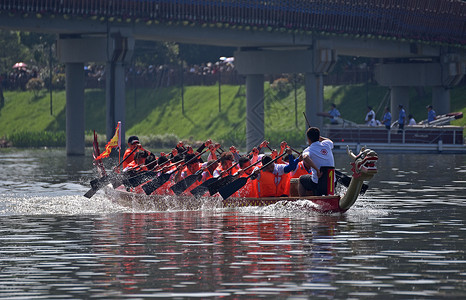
[370, 112]
[431, 115]
[387, 118]
[319, 154]
[401, 118]
[274, 180]
[335, 114]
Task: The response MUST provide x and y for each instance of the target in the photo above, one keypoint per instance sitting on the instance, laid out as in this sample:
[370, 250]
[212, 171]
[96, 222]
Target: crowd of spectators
[154, 76]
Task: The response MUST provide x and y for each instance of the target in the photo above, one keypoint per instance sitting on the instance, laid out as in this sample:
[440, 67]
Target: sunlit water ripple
[405, 239]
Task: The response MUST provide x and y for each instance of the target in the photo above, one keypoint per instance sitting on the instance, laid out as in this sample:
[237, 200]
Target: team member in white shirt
[318, 154]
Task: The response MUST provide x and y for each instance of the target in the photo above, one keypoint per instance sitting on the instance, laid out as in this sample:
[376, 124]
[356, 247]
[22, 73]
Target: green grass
[157, 113]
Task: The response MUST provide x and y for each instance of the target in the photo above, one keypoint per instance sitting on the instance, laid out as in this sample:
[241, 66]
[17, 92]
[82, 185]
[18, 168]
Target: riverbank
[163, 115]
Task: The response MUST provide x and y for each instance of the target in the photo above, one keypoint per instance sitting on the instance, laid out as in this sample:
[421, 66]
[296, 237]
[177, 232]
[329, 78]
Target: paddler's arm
[308, 162]
[292, 162]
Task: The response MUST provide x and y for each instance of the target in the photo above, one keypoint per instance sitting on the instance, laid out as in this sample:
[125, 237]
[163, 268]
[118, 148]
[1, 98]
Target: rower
[274, 180]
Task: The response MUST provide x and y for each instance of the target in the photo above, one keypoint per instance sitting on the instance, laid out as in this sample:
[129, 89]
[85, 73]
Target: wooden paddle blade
[139, 179]
[363, 189]
[199, 190]
[154, 184]
[90, 193]
[97, 183]
[213, 188]
[230, 189]
[346, 180]
[182, 185]
[117, 180]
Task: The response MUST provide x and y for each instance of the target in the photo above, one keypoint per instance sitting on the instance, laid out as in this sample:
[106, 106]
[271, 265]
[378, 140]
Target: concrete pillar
[254, 110]
[115, 98]
[441, 100]
[399, 95]
[74, 108]
[314, 87]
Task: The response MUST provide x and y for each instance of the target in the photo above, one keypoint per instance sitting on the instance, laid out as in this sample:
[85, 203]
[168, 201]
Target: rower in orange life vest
[192, 167]
[226, 161]
[274, 180]
[249, 190]
[133, 142]
[138, 164]
[170, 169]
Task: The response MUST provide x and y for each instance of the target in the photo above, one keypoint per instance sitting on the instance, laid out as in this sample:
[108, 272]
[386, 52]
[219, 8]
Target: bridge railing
[427, 20]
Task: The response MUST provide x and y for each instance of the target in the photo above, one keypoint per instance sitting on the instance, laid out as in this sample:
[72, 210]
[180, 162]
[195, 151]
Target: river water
[405, 239]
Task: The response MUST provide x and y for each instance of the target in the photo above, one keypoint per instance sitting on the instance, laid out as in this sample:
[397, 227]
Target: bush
[168, 140]
[26, 139]
[35, 85]
[58, 81]
[282, 86]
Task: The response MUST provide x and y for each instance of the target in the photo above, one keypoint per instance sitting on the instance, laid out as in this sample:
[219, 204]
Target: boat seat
[326, 183]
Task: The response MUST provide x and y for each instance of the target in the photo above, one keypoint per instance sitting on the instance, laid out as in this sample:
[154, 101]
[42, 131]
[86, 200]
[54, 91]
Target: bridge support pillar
[254, 110]
[74, 108]
[314, 86]
[399, 95]
[441, 100]
[312, 62]
[120, 49]
[115, 98]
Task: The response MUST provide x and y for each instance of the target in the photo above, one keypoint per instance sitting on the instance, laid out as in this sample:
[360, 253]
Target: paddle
[201, 189]
[216, 182]
[230, 189]
[138, 179]
[151, 186]
[182, 185]
[98, 183]
[158, 181]
[221, 181]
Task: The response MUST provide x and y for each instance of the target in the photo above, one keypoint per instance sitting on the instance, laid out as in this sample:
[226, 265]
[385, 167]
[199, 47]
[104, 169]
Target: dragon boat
[363, 167]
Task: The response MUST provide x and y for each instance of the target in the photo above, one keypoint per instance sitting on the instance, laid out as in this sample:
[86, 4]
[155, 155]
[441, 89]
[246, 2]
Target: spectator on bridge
[370, 112]
[411, 120]
[401, 119]
[387, 118]
[431, 115]
[335, 114]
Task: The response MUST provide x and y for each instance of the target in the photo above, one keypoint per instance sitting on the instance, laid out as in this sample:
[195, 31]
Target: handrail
[409, 19]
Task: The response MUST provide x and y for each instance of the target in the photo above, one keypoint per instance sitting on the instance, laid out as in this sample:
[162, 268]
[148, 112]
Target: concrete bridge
[419, 43]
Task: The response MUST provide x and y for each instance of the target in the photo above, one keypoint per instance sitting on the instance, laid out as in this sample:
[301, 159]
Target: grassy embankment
[157, 115]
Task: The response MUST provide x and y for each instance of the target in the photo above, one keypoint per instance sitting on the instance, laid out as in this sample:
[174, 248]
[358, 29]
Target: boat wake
[57, 205]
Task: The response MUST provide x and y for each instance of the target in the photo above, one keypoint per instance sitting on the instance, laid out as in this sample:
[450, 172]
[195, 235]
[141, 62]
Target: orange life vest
[249, 190]
[267, 187]
[300, 170]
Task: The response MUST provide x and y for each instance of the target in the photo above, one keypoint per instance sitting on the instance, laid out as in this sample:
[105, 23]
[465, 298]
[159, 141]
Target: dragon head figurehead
[364, 164]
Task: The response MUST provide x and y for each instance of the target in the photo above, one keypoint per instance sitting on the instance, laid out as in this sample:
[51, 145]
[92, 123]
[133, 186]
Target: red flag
[114, 142]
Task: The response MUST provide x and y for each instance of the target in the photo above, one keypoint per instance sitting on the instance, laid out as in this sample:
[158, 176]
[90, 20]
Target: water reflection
[403, 240]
